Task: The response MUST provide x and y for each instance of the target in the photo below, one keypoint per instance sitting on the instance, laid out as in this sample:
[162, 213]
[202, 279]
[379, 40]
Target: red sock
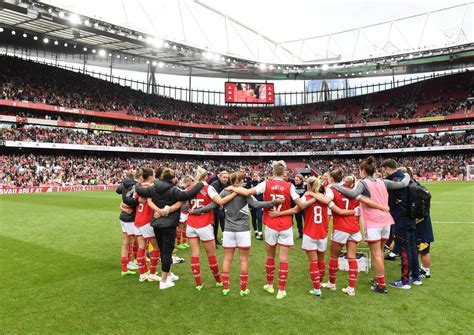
[322, 270]
[380, 281]
[352, 272]
[130, 251]
[225, 280]
[178, 235]
[135, 249]
[282, 275]
[184, 237]
[196, 269]
[270, 270]
[124, 261]
[333, 268]
[141, 260]
[155, 255]
[244, 277]
[214, 266]
[314, 274]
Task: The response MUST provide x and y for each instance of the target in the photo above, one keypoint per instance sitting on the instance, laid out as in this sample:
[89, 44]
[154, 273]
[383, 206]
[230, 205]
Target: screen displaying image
[251, 93]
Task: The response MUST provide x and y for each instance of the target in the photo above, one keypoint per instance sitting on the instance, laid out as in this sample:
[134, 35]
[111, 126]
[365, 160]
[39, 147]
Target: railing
[207, 96]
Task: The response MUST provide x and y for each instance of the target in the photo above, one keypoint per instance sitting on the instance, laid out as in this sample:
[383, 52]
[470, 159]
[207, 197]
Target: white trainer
[281, 294]
[132, 266]
[172, 277]
[154, 277]
[165, 285]
[350, 291]
[330, 286]
[143, 278]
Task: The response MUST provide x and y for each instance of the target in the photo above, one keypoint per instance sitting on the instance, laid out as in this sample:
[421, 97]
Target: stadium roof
[179, 35]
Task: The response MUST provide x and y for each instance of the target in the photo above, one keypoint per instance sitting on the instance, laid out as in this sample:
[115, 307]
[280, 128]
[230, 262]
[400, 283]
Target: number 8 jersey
[316, 219]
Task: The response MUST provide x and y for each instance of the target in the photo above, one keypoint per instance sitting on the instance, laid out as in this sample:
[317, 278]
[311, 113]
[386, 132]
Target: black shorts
[423, 247]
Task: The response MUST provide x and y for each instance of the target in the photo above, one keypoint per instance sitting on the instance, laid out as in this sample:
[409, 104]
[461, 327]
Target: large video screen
[249, 93]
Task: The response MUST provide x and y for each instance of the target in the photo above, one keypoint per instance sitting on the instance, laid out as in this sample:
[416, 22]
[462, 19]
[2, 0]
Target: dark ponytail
[368, 166]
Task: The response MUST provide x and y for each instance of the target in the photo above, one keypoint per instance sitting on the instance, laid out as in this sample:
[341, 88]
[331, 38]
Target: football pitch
[60, 273]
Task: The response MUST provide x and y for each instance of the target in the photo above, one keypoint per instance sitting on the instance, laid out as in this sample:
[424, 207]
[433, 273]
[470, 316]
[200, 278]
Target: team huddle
[156, 213]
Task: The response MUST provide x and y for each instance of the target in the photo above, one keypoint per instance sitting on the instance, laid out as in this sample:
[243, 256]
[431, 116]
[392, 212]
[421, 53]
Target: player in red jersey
[315, 231]
[279, 230]
[143, 218]
[346, 231]
[200, 227]
[181, 237]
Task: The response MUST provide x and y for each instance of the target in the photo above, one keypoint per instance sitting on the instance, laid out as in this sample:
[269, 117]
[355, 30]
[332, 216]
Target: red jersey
[144, 213]
[203, 198]
[316, 220]
[273, 189]
[347, 224]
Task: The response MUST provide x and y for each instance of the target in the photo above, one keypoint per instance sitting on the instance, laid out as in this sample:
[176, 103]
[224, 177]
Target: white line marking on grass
[452, 202]
[471, 222]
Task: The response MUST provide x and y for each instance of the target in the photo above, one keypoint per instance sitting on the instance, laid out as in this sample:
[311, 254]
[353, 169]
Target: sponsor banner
[63, 146]
[106, 127]
[112, 115]
[431, 118]
[48, 189]
[79, 125]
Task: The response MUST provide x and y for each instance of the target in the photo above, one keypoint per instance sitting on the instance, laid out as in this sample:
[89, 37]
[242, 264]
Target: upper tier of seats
[24, 80]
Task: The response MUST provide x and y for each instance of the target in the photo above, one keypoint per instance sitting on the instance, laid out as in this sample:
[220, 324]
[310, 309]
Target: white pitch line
[450, 202]
[470, 222]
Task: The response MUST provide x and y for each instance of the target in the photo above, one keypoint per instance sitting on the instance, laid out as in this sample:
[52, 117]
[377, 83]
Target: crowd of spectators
[30, 81]
[116, 139]
[28, 170]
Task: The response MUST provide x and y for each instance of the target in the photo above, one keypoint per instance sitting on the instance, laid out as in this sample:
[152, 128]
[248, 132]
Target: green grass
[59, 273]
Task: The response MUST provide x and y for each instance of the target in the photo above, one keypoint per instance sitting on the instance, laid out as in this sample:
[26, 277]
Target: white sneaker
[172, 277]
[178, 260]
[350, 291]
[132, 266]
[143, 278]
[269, 288]
[281, 294]
[165, 285]
[330, 286]
[154, 277]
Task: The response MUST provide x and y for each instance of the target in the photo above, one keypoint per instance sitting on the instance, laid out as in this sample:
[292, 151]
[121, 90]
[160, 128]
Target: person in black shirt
[257, 213]
[404, 228]
[219, 184]
[127, 218]
[164, 194]
[300, 189]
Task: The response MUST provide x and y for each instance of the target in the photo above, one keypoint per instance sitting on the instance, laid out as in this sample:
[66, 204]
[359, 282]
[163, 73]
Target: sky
[282, 20]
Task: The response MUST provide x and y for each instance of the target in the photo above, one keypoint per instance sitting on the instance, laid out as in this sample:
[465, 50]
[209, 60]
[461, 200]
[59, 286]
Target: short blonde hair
[279, 168]
[201, 174]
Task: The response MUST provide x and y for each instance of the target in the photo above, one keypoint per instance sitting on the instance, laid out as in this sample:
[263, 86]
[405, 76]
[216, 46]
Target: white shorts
[204, 234]
[377, 234]
[240, 240]
[146, 231]
[342, 237]
[274, 237]
[129, 228]
[311, 244]
[183, 217]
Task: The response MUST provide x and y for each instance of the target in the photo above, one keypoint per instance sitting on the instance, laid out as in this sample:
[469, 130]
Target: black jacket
[163, 193]
[126, 189]
[398, 202]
